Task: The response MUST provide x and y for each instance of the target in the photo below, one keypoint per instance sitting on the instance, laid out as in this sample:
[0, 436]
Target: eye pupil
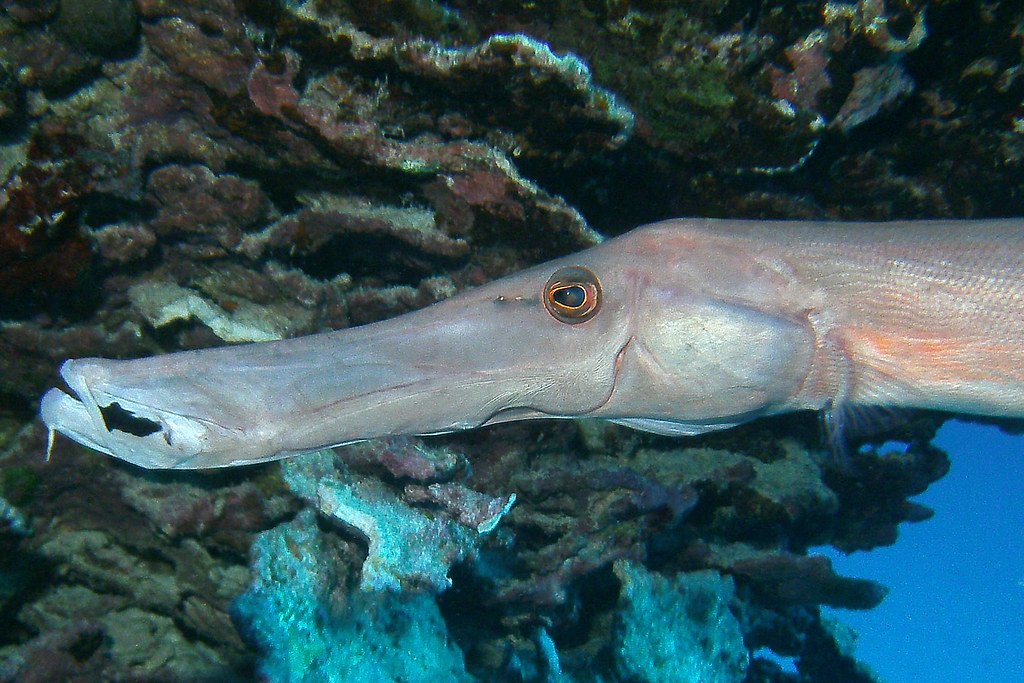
[572, 296]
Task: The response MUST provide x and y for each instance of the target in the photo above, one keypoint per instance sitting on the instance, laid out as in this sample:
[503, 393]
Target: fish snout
[98, 416]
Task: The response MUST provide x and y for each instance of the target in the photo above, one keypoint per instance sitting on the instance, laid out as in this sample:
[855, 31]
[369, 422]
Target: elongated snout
[491, 354]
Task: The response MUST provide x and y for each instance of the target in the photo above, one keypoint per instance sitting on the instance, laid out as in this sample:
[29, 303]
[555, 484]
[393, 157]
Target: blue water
[955, 611]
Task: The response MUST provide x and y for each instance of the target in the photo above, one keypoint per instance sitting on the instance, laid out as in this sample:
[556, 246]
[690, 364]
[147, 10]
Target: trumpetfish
[679, 327]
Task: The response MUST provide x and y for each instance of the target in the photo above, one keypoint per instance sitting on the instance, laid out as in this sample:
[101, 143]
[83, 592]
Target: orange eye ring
[572, 295]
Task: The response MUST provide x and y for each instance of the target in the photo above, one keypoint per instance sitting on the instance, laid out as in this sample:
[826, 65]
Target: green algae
[9, 428]
[661, 67]
[661, 59]
[407, 18]
[18, 485]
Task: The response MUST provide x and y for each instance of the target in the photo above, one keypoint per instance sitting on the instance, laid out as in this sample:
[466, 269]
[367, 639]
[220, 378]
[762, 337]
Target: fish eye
[572, 295]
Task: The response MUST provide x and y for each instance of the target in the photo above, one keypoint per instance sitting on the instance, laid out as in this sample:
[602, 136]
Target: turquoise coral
[678, 629]
[13, 518]
[300, 609]
[310, 629]
[407, 547]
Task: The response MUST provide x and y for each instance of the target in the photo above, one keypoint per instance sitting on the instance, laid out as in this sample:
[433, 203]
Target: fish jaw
[143, 435]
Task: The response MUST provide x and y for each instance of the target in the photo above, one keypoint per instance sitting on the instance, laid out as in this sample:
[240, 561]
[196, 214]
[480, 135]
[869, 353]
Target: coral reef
[131, 577]
[103, 27]
[313, 629]
[13, 521]
[655, 644]
[181, 175]
[407, 548]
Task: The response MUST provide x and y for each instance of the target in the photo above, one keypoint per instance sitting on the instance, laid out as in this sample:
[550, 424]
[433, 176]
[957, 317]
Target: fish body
[679, 327]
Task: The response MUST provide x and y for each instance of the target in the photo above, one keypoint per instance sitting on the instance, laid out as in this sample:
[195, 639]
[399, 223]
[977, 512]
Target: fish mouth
[95, 416]
[81, 417]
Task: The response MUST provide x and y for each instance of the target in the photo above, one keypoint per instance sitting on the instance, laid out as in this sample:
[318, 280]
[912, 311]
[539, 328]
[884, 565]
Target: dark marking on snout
[116, 417]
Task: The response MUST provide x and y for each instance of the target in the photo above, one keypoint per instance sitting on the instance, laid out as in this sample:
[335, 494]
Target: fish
[679, 327]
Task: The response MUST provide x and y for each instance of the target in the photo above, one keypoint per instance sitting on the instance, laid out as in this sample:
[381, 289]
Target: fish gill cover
[181, 175]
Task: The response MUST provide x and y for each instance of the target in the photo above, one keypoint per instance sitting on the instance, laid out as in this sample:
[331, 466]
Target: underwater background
[189, 174]
[955, 610]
